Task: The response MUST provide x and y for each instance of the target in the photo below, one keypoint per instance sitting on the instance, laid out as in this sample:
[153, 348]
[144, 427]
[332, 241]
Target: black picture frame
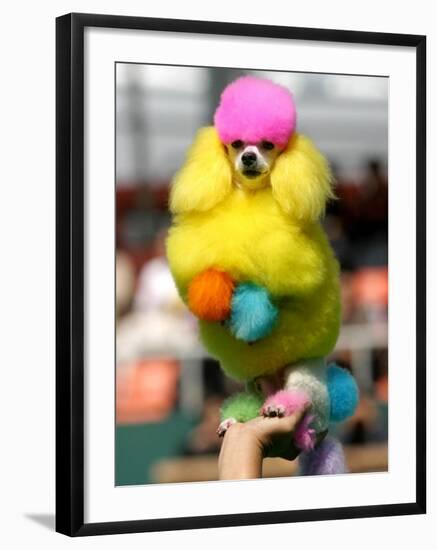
[70, 272]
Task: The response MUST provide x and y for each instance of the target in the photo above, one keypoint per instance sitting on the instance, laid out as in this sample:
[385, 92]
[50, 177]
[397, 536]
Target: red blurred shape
[370, 286]
[146, 390]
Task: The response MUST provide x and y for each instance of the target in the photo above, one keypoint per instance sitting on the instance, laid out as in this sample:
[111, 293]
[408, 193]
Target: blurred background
[168, 390]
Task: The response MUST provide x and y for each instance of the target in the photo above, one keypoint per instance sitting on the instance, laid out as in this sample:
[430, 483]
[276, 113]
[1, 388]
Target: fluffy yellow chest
[243, 226]
[250, 237]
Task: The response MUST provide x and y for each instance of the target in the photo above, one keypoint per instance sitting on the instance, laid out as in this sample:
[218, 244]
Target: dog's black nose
[248, 159]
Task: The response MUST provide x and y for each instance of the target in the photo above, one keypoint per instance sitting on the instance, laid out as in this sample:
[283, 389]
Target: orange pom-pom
[210, 294]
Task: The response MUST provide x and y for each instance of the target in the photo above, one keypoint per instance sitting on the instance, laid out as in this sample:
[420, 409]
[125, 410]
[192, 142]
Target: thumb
[287, 424]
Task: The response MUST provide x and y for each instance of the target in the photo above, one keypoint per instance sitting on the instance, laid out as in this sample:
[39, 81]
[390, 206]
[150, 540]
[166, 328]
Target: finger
[286, 424]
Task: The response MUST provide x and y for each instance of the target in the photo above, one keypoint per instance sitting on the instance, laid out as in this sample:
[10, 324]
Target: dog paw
[253, 316]
[224, 426]
[273, 410]
[284, 403]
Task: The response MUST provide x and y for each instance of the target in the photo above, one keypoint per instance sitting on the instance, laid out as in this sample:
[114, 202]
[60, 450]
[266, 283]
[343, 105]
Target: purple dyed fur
[326, 458]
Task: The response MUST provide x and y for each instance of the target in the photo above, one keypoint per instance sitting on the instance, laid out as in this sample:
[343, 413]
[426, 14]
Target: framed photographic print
[240, 274]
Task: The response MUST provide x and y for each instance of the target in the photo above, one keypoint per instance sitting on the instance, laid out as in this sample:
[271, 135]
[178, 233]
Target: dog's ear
[301, 180]
[206, 177]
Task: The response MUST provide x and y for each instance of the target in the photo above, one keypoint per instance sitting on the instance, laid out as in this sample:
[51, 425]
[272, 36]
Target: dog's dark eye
[268, 145]
[237, 144]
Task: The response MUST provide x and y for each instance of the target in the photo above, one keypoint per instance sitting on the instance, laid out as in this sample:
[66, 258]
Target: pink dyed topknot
[253, 109]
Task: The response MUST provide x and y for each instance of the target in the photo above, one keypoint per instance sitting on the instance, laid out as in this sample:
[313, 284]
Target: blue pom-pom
[343, 393]
[253, 315]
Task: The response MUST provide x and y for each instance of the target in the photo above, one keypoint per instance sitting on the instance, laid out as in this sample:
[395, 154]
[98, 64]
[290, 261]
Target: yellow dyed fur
[271, 237]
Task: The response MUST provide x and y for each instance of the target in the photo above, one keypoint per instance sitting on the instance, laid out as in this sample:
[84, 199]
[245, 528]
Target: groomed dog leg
[327, 458]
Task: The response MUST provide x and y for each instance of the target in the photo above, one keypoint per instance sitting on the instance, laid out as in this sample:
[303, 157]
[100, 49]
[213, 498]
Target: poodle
[251, 260]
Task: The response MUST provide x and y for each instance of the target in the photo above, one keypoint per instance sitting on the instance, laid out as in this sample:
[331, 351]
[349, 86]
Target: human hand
[246, 444]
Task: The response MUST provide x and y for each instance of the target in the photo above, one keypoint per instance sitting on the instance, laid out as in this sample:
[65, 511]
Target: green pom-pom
[242, 406]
